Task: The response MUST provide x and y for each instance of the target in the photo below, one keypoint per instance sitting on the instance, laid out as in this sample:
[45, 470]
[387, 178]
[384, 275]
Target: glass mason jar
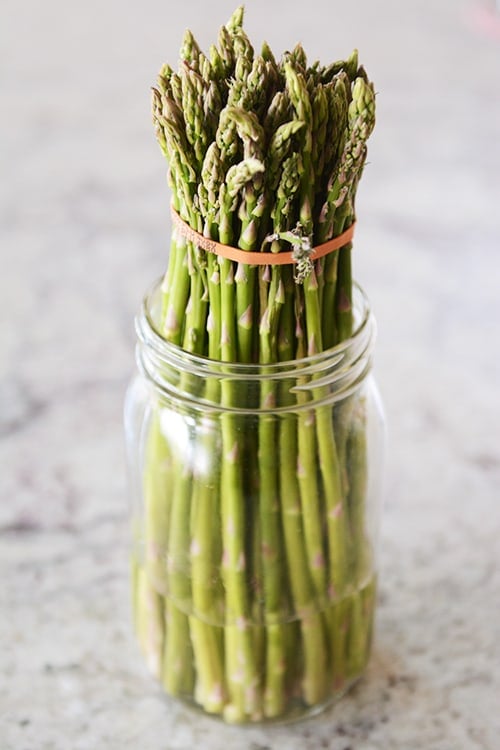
[256, 499]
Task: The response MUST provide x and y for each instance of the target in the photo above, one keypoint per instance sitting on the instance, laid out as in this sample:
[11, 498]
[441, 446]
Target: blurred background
[84, 230]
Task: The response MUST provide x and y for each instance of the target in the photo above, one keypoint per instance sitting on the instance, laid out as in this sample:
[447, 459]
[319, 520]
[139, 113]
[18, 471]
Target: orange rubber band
[253, 258]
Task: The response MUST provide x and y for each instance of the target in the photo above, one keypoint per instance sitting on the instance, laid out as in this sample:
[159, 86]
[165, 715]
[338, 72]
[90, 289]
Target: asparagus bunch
[255, 589]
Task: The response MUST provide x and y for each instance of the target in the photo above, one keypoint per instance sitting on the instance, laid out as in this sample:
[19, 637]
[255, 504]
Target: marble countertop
[84, 230]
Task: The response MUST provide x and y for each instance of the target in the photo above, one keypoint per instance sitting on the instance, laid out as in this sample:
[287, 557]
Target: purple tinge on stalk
[241, 276]
[344, 303]
[233, 454]
[246, 319]
[311, 345]
[267, 552]
[319, 561]
[171, 322]
[336, 511]
[225, 338]
[266, 274]
[195, 548]
[269, 401]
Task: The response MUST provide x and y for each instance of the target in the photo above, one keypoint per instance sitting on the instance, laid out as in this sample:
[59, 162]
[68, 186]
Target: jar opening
[361, 342]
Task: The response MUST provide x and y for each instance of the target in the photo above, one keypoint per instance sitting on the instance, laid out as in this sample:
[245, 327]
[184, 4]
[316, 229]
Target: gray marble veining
[84, 230]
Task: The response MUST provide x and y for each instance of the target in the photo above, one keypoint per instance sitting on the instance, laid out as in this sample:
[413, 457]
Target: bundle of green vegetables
[263, 156]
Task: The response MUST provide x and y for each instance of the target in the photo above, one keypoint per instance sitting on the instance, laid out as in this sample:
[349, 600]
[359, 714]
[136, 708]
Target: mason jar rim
[149, 335]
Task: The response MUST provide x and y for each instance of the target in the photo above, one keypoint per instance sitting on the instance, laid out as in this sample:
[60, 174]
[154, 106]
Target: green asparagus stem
[206, 543]
[241, 674]
[310, 429]
[294, 521]
[274, 581]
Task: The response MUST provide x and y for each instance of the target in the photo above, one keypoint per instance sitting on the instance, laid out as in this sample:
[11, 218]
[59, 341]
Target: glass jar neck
[203, 383]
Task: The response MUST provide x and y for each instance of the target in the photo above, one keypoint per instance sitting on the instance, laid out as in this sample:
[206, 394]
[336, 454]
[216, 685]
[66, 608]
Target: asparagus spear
[274, 580]
[338, 210]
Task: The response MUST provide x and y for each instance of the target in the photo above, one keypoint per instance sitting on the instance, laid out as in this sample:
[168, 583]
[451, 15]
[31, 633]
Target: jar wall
[254, 535]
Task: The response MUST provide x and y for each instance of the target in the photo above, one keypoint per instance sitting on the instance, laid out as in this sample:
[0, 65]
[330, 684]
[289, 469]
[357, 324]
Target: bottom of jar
[261, 673]
[296, 712]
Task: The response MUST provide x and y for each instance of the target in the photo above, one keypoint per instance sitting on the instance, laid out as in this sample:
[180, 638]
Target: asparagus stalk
[241, 668]
[306, 460]
[241, 673]
[274, 580]
[293, 520]
[361, 115]
[206, 544]
[178, 119]
[179, 562]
